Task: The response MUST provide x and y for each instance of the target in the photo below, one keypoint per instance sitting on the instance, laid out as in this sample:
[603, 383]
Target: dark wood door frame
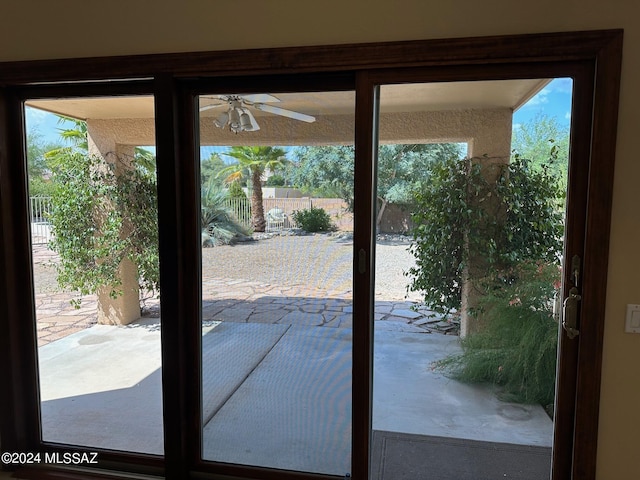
[595, 57]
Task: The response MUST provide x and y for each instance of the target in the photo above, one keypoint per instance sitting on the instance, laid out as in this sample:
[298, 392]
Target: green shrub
[459, 215]
[507, 226]
[313, 220]
[275, 181]
[236, 191]
[38, 187]
[98, 219]
[516, 349]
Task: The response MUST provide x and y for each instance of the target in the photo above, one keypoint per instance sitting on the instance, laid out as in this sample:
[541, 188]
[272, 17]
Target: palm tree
[255, 160]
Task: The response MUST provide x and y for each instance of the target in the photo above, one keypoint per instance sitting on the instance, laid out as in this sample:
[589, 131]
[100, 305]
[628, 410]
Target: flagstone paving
[241, 302]
[233, 300]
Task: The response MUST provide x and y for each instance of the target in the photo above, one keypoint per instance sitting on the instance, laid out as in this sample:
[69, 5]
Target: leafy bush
[313, 220]
[98, 219]
[504, 236]
[38, 187]
[236, 191]
[460, 215]
[275, 181]
[516, 349]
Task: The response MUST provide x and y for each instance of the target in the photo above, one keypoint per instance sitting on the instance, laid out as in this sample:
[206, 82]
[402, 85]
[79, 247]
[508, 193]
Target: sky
[554, 100]
[43, 123]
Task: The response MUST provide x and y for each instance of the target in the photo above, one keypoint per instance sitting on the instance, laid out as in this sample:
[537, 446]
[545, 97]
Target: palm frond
[218, 225]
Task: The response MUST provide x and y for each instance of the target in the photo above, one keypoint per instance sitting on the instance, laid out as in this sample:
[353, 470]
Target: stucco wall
[126, 131]
[32, 29]
[487, 131]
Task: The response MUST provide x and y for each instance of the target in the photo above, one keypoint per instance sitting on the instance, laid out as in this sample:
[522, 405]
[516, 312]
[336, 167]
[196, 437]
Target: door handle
[362, 261]
[570, 313]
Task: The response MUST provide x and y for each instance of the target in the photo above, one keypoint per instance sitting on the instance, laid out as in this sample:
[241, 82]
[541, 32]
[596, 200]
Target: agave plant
[218, 224]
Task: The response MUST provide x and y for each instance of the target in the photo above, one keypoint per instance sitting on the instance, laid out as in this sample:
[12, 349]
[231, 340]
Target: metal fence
[281, 216]
[279, 212]
[241, 210]
[39, 208]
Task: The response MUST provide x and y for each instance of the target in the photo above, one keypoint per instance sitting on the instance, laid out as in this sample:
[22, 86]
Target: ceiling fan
[238, 116]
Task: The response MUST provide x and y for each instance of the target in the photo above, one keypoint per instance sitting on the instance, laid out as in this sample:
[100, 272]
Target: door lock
[570, 313]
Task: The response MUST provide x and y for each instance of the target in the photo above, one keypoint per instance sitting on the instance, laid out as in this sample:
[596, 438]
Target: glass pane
[277, 181]
[92, 189]
[468, 260]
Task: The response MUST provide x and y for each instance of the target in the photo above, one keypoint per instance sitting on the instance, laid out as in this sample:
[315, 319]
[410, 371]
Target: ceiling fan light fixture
[245, 122]
[222, 120]
[234, 120]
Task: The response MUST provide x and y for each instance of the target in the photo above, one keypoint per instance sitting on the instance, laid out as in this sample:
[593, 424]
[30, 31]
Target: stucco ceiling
[394, 98]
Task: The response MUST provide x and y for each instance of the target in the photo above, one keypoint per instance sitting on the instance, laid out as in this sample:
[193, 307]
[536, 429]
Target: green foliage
[218, 224]
[325, 171]
[516, 349]
[440, 221]
[328, 171]
[39, 184]
[74, 135]
[402, 168]
[461, 215]
[544, 141]
[255, 161]
[98, 219]
[145, 160]
[102, 213]
[210, 169]
[40, 187]
[275, 181]
[236, 191]
[313, 220]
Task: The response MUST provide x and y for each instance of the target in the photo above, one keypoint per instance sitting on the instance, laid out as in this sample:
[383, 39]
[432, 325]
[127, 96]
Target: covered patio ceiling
[407, 104]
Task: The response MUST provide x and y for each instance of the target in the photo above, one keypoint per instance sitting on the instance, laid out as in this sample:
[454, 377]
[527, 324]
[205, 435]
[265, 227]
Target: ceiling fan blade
[213, 105]
[260, 98]
[222, 98]
[285, 113]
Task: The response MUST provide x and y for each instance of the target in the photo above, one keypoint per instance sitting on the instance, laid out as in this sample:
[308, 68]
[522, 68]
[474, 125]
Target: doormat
[401, 456]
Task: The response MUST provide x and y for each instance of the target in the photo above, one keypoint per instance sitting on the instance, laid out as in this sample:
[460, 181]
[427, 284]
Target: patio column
[491, 147]
[126, 307]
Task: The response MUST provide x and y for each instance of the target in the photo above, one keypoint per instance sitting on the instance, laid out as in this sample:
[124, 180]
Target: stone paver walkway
[238, 301]
[57, 318]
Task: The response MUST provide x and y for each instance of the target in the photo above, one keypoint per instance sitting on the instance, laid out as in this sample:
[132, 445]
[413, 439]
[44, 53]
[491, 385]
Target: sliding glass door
[470, 222]
[288, 345]
[94, 240]
[276, 198]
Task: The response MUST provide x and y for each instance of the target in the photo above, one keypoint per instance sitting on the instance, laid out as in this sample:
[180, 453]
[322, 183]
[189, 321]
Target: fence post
[39, 208]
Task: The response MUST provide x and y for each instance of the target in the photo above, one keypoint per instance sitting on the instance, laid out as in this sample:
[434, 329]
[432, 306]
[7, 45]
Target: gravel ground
[318, 261]
[44, 274]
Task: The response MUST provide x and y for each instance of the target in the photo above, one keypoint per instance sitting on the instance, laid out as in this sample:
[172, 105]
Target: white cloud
[567, 115]
[561, 85]
[34, 117]
[541, 98]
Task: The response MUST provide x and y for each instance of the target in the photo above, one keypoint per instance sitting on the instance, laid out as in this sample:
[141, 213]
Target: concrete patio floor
[276, 378]
[275, 395]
